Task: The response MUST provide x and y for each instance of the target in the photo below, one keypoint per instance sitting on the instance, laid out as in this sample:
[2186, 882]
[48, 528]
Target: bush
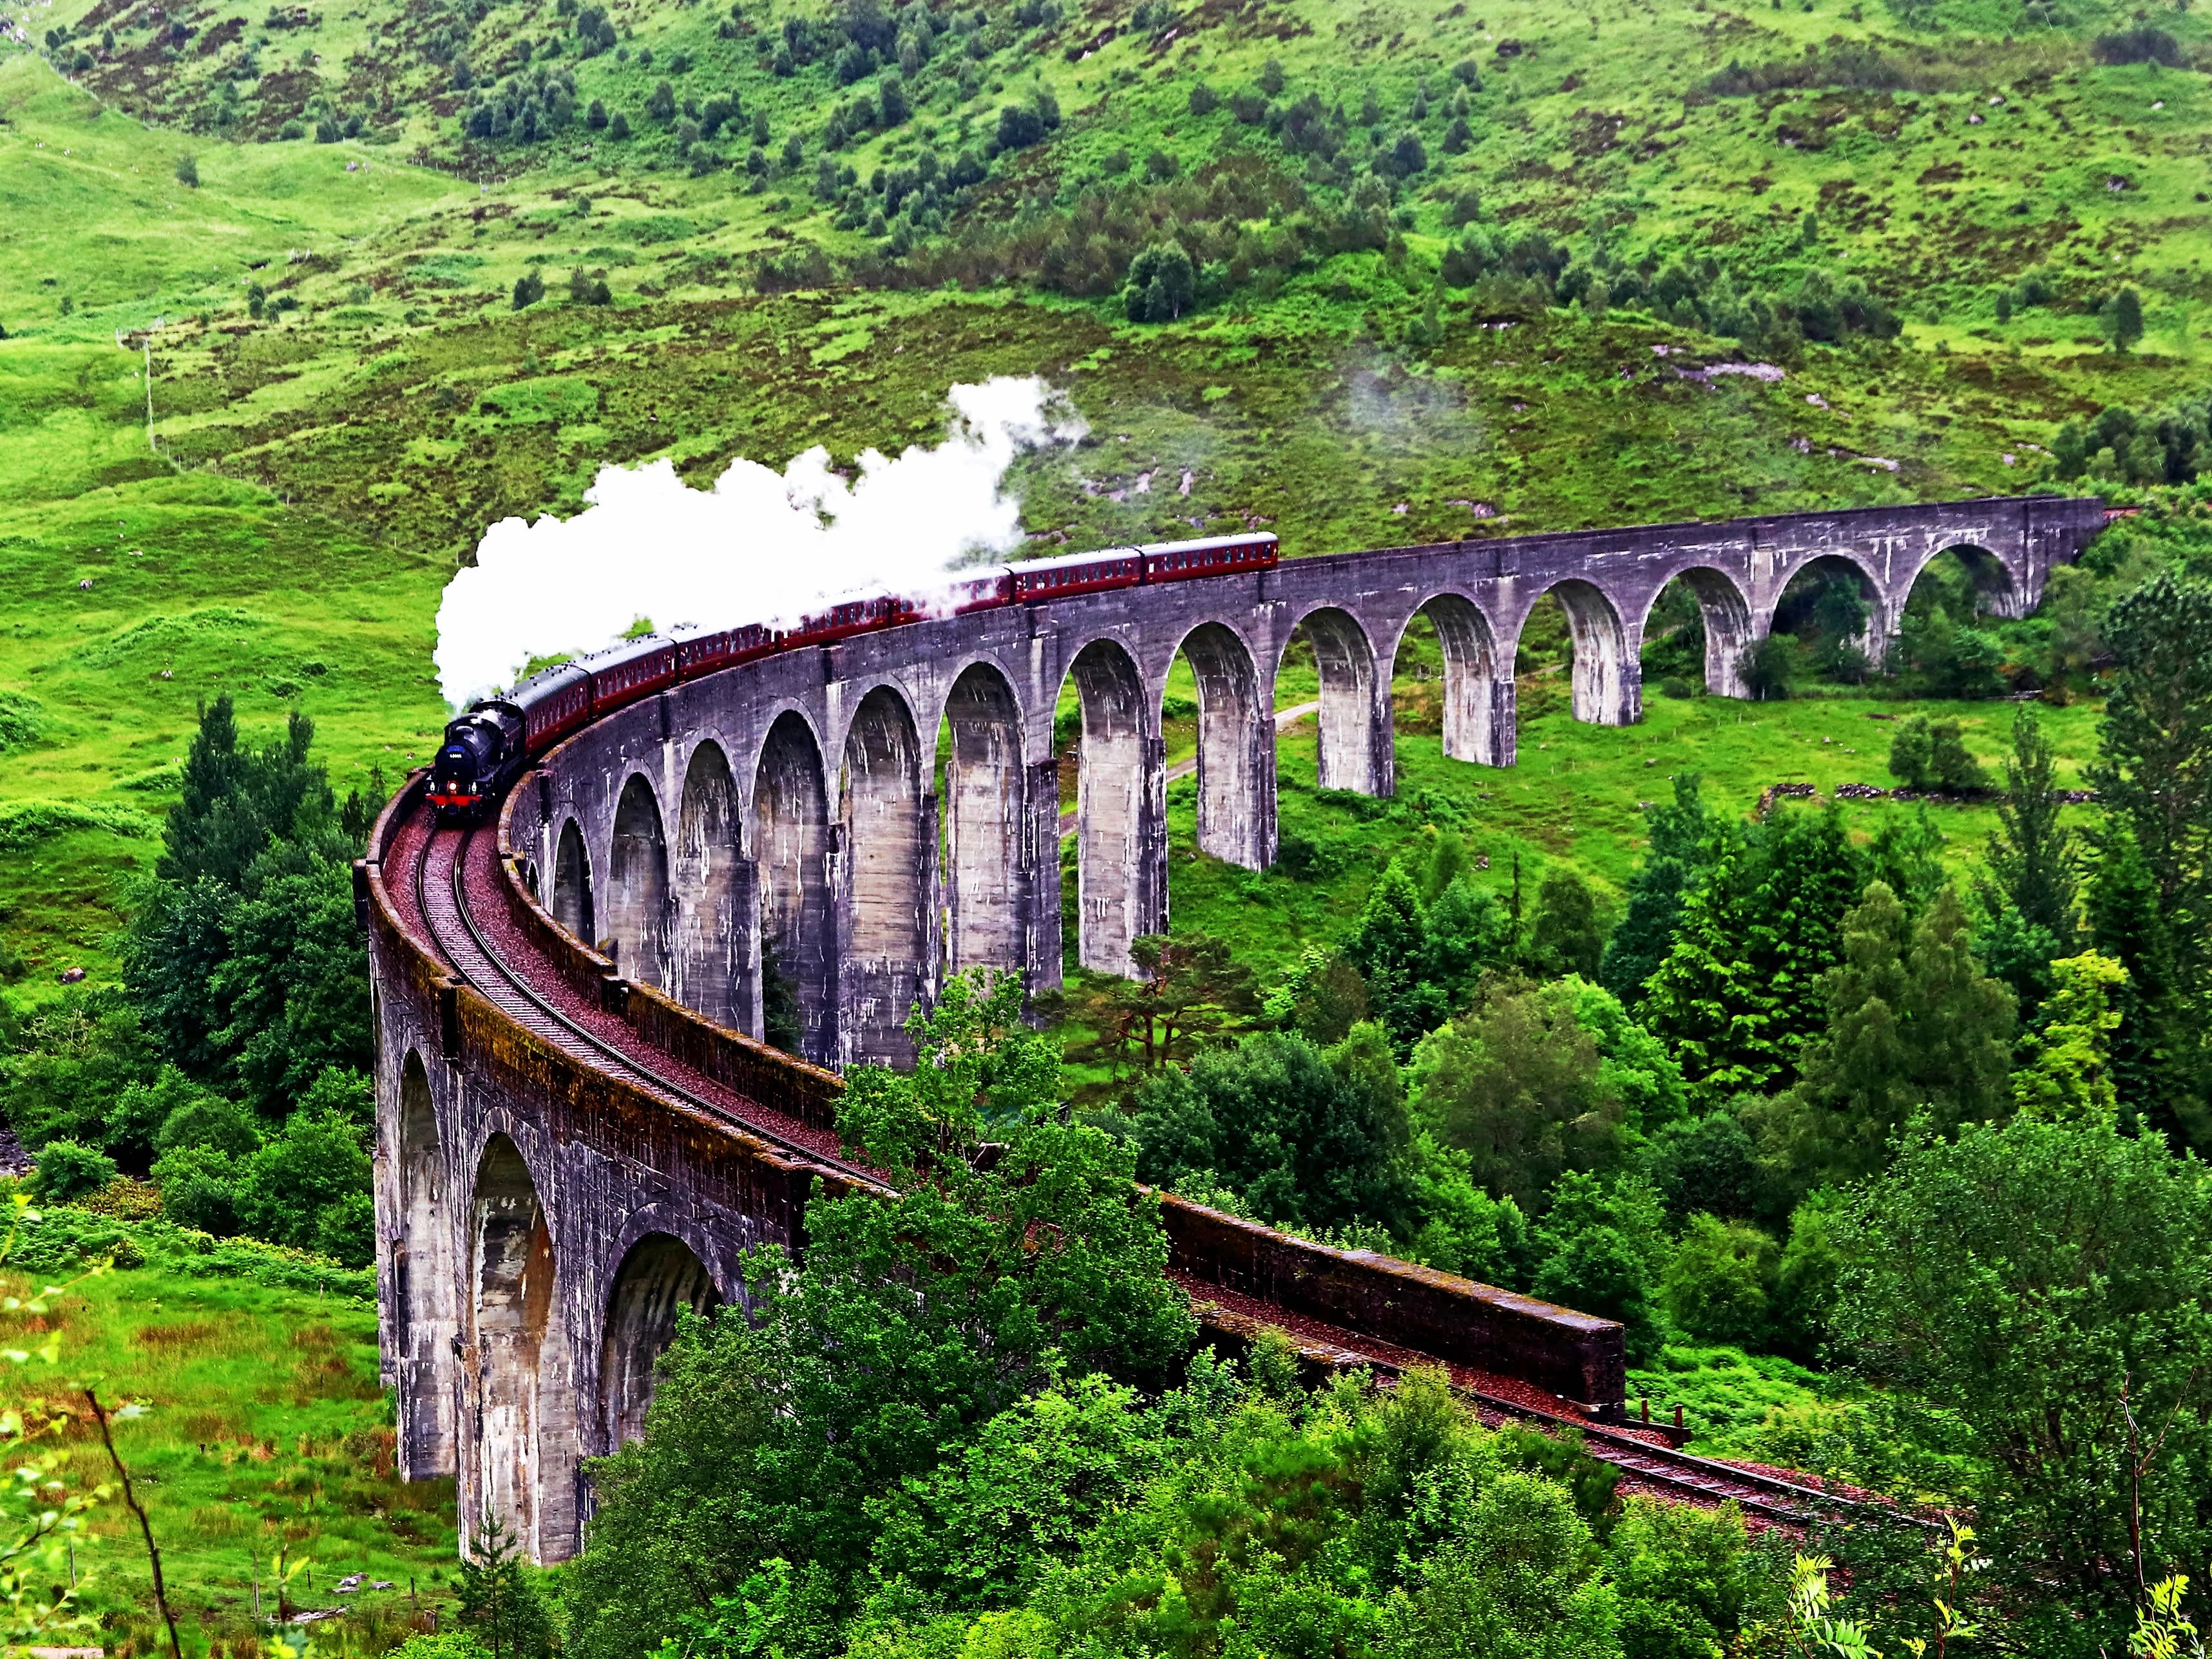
[70, 1170]
[188, 170]
[1931, 757]
[2141, 45]
[1708, 1164]
[1718, 1284]
[1163, 285]
[299, 1189]
[1019, 128]
[1408, 157]
[199, 1188]
[529, 289]
[1769, 667]
[1204, 100]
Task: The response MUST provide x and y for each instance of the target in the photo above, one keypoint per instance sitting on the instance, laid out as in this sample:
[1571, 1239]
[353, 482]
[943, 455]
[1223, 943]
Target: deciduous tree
[2045, 1284]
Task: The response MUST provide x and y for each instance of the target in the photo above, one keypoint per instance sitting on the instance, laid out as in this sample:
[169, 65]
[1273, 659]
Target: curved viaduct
[578, 1130]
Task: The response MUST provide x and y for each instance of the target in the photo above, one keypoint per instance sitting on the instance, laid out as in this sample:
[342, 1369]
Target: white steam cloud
[760, 546]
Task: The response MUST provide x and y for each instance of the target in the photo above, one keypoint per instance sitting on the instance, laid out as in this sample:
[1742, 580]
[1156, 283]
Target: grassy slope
[1574, 797]
[266, 1426]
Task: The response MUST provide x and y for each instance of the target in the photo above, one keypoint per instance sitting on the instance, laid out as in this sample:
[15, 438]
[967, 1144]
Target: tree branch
[145, 1526]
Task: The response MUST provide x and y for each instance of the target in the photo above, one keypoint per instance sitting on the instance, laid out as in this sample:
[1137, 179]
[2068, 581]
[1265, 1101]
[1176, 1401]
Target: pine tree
[1913, 1026]
[2127, 318]
[2155, 744]
[498, 1601]
[2032, 856]
[1739, 990]
[1657, 893]
[1391, 948]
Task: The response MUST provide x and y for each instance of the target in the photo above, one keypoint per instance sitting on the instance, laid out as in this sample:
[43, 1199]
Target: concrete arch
[422, 1280]
[1726, 614]
[1236, 749]
[1120, 857]
[572, 905]
[637, 886]
[524, 1399]
[1997, 591]
[1882, 615]
[1354, 752]
[885, 829]
[711, 960]
[985, 809]
[791, 855]
[1607, 684]
[660, 1276]
[1478, 697]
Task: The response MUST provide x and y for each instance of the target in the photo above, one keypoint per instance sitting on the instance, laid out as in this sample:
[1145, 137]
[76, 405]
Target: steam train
[487, 747]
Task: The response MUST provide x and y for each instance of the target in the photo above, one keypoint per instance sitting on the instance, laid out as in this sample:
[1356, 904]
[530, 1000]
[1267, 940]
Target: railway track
[442, 898]
[1701, 1479]
[441, 884]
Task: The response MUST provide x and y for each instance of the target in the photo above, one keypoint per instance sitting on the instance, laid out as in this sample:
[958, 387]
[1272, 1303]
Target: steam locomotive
[487, 747]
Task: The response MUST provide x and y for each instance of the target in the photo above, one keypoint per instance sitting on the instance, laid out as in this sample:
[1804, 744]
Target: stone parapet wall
[1578, 1356]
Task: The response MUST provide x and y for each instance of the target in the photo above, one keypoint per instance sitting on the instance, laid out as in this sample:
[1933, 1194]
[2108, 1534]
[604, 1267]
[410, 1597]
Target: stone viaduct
[542, 1212]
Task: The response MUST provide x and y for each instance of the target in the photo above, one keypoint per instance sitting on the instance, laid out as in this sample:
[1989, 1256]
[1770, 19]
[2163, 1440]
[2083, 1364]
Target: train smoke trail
[760, 546]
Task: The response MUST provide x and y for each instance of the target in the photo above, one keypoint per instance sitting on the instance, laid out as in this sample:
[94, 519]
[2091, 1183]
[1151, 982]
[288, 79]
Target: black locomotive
[482, 754]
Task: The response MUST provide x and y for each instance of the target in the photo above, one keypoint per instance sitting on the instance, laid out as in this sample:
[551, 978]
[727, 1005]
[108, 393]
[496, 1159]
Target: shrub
[661, 104]
[1204, 100]
[188, 170]
[618, 128]
[1019, 128]
[299, 1189]
[199, 1188]
[1769, 667]
[70, 1170]
[2142, 44]
[1849, 65]
[1931, 755]
[529, 289]
[1717, 1286]
[1163, 285]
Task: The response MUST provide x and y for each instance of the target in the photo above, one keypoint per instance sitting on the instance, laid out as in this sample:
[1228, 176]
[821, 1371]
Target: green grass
[1575, 798]
[266, 1427]
[1725, 1394]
